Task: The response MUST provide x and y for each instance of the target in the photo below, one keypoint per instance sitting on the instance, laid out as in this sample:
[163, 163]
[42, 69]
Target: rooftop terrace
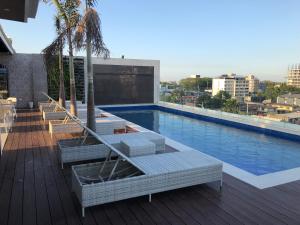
[35, 190]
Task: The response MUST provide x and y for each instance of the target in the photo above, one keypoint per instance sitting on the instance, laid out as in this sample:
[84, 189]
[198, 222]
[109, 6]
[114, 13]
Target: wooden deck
[34, 190]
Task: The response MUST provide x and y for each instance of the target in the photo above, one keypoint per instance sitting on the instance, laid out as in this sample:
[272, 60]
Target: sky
[206, 37]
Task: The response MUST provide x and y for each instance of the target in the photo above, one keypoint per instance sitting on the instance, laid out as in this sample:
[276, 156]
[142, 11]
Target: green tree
[176, 96]
[273, 90]
[68, 12]
[204, 101]
[195, 84]
[231, 106]
[51, 60]
[223, 95]
[215, 102]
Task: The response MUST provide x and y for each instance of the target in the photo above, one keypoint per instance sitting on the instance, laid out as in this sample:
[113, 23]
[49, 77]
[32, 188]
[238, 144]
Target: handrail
[95, 135]
[245, 119]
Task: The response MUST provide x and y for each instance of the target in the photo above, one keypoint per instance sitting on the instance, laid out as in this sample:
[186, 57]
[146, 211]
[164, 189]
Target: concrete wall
[27, 77]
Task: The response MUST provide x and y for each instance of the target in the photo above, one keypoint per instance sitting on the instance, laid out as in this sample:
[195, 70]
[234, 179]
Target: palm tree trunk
[62, 97]
[73, 106]
[91, 123]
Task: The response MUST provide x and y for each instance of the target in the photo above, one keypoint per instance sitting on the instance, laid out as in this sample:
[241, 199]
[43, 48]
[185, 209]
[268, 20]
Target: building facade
[294, 76]
[223, 83]
[241, 88]
[253, 83]
[289, 99]
[237, 87]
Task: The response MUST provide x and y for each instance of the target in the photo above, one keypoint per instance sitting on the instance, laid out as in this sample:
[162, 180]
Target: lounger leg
[150, 197]
[83, 211]
[221, 184]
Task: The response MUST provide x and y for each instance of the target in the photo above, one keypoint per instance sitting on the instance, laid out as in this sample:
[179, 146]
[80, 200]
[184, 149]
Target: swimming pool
[253, 152]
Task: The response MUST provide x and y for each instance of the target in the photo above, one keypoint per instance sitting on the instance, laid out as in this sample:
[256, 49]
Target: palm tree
[62, 97]
[68, 12]
[49, 58]
[89, 36]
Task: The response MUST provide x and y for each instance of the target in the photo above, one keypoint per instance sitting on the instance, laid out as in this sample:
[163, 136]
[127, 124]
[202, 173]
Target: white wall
[218, 85]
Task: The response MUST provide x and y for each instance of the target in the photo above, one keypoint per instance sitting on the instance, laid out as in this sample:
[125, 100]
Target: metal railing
[244, 119]
[120, 155]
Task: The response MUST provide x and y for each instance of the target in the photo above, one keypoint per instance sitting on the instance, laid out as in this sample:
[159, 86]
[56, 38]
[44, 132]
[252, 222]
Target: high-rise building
[253, 83]
[237, 87]
[294, 76]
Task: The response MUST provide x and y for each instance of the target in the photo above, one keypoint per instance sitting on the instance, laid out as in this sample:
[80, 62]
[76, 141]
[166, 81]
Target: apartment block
[237, 87]
[253, 83]
[294, 76]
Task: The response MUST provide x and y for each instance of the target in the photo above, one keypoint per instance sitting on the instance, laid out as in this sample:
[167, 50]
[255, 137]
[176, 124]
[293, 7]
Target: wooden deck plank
[210, 211]
[64, 192]
[55, 204]
[34, 190]
[41, 197]
[7, 182]
[29, 206]
[154, 212]
[16, 201]
[195, 208]
[139, 212]
[169, 215]
[244, 189]
[126, 214]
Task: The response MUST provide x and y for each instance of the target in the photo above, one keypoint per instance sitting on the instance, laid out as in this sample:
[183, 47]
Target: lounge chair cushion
[137, 147]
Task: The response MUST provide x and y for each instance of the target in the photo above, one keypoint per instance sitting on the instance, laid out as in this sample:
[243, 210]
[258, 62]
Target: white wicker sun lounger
[157, 139]
[107, 126]
[80, 149]
[124, 177]
[162, 172]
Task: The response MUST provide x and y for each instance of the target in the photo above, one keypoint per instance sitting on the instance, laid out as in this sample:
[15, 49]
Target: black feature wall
[118, 84]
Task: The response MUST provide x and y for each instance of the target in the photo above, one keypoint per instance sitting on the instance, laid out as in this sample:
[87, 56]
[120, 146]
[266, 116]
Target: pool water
[254, 152]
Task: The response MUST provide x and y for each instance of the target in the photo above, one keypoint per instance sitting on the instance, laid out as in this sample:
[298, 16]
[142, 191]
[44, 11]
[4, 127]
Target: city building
[253, 83]
[223, 83]
[294, 76]
[234, 85]
[241, 88]
[195, 76]
[285, 108]
[290, 99]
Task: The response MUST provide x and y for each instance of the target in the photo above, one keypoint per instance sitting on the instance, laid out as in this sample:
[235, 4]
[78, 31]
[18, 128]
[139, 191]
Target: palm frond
[91, 3]
[89, 29]
[50, 52]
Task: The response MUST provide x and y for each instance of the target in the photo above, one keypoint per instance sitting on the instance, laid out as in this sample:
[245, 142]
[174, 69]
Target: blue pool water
[251, 151]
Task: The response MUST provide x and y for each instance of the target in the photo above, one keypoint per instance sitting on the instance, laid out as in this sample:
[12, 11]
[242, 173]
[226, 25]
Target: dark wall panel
[115, 84]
